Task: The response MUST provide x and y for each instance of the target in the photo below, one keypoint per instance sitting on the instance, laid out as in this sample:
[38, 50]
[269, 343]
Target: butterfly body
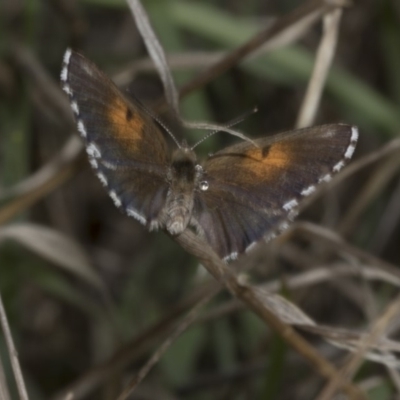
[183, 179]
[233, 199]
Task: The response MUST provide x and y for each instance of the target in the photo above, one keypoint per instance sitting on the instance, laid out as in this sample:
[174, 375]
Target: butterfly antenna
[235, 121]
[151, 114]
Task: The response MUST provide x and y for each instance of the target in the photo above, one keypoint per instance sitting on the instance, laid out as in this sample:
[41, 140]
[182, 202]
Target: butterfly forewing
[253, 191]
[124, 145]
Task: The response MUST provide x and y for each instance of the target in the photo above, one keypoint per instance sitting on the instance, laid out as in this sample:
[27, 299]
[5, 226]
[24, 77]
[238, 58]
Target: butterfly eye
[204, 185]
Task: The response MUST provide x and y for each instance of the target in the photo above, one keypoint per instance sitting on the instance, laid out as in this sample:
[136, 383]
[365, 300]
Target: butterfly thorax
[183, 176]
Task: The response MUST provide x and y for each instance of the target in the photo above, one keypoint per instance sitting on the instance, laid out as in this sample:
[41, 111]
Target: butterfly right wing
[254, 192]
[125, 147]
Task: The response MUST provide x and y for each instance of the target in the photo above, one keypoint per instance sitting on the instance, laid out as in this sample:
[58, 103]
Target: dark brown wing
[254, 191]
[125, 147]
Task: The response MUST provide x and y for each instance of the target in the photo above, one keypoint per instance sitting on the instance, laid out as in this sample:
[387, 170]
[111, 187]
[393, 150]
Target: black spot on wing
[129, 114]
[265, 151]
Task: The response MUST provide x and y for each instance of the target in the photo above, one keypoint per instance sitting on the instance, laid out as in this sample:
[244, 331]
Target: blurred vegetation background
[85, 287]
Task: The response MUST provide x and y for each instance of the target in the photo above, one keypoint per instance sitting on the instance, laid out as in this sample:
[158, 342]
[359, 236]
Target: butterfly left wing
[253, 191]
[125, 147]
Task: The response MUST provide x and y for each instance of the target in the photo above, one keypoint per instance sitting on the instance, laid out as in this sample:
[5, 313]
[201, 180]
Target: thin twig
[23, 394]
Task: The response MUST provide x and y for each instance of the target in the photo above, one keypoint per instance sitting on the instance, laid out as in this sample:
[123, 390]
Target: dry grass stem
[323, 61]
[350, 368]
[12, 352]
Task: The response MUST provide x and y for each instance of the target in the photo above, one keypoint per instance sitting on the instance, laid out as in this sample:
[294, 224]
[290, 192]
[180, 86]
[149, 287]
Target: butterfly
[236, 197]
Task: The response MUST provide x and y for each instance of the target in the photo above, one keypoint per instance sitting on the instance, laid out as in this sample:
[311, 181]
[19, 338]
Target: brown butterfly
[236, 197]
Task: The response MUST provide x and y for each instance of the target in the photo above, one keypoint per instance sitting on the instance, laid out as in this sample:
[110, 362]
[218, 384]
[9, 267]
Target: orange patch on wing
[266, 162]
[127, 125]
